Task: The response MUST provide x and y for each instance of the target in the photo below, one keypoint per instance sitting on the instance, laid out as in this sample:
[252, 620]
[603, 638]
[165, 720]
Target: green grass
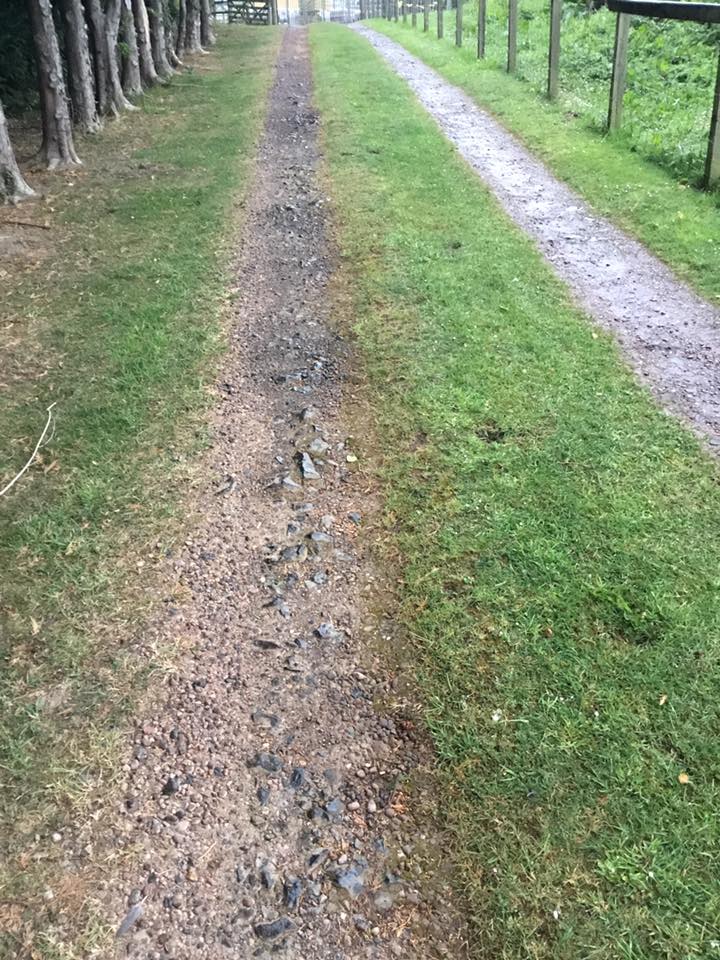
[678, 223]
[120, 325]
[671, 73]
[559, 553]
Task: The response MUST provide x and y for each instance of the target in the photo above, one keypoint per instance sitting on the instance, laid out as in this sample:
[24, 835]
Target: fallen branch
[27, 223]
[27, 466]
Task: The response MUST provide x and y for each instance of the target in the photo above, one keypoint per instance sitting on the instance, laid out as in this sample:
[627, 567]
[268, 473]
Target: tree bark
[171, 41]
[118, 100]
[80, 67]
[131, 81]
[207, 37]
[148, 73]
[96, 21]
[192, 26]
[181, 25]
[58, 149]
[158, 39]
[13, 187]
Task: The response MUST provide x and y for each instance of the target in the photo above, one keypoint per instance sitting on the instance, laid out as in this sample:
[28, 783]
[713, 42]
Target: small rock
[268, 875]
[172, 785]
[266, 761]
[297, 778]
[383, 901]
[355, 517]
[318, 447]
[131, 918]
[274, 929]
[292, 891]
[317, 858]
[307, 466]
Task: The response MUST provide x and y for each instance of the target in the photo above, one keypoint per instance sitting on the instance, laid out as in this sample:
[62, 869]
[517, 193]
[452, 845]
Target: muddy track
[271, 803]
[670, 336]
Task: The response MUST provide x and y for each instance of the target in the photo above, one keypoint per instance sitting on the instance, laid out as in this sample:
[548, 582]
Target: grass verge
[117, 319]
[679, 224]
[559, 574]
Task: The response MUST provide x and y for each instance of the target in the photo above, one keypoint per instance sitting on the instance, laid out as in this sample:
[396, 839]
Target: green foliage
[680, 225]
[671, 74]
[560, 573]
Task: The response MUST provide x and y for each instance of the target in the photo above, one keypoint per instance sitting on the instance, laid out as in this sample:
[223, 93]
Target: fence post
[619, 71]
[512, 36]
[458, 22]
[712, 162]
[426, 15]
[482, 18]
[554, 52]
[440, 17]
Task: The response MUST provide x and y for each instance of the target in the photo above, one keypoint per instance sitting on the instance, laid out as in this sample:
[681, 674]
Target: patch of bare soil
[670, 336]
[279, 795]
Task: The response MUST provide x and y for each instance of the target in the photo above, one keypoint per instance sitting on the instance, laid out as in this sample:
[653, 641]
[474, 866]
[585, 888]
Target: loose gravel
[670, 336]
[278, 796]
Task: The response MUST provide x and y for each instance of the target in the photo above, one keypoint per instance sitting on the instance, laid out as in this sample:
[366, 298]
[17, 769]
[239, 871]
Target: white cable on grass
[15, 479]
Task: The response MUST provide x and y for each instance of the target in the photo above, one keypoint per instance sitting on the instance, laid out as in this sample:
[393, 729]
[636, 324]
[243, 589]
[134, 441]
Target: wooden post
[512, 36]
[619, 71]
[482, 18]
[440, 24]
[426, 15]
[458, 22]
[712, 162]
[413, 13]
[554, 52]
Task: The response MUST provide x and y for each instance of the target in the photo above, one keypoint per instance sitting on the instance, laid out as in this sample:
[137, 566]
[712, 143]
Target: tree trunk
[96, 20]
[12, 183]
[181, 25]
[148, 73]
[132, 84]
[118, 100]
[192, 26]
[158, 39]
[171, 41]
[80, 67]
[58, 149]
[207, 37]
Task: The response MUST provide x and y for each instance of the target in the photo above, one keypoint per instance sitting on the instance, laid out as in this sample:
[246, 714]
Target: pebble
[308, 468]
[267, 761]
[274, 929]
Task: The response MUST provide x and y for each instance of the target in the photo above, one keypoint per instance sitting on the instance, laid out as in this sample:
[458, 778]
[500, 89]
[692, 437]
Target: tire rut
[279, 795]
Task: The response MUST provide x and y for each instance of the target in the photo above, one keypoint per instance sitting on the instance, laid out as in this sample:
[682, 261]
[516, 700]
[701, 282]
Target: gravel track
[279, 796]
[670, 336]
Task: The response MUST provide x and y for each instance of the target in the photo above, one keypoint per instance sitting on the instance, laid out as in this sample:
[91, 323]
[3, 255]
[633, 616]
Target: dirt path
[670, 336]
[277, 798]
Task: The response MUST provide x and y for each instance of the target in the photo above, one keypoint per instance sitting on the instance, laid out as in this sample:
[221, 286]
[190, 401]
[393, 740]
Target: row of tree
[92, 57]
